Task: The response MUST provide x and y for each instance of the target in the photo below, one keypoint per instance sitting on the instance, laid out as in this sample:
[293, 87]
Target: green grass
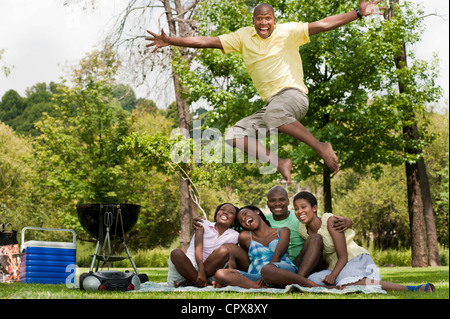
[439, 276]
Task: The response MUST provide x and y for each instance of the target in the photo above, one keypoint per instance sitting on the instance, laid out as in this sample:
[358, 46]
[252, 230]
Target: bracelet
[358, 14]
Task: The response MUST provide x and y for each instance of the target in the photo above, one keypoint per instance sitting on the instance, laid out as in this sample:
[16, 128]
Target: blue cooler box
[48, 262]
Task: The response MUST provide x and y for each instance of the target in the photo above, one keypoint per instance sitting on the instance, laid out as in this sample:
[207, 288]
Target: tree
[412, 96]
[20, 203]
[442, 206]
[348, 91]
[180, 23]
[180, 26]
[15, 173]
[78, 144]
[159, 222]
[437, 156]
[79, 161]
[343, 68]
[371, 201]
[126, 96]
[179, 17]
[377, 207]
[11, 106]
[22, 112]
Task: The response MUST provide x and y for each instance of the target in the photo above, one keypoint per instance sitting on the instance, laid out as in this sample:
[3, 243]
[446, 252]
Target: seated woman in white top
[204, 255]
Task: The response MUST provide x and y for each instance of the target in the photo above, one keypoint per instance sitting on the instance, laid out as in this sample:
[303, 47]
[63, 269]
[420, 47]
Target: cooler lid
[48, 244]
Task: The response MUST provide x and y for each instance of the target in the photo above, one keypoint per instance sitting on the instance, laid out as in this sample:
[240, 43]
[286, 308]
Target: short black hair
[307, 196]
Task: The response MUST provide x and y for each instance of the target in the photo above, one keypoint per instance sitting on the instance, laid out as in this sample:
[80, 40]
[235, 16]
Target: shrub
[142, 258]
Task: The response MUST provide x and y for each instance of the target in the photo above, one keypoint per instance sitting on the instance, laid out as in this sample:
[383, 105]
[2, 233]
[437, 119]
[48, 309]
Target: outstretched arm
[366, 8]
[162, 40]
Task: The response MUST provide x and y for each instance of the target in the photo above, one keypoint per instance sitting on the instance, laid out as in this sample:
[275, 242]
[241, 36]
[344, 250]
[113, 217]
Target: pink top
[211, 240]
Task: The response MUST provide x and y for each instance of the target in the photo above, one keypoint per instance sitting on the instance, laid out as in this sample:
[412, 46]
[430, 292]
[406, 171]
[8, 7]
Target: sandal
[416, 288]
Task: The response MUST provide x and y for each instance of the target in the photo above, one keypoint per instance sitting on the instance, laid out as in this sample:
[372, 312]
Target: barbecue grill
[107, 223]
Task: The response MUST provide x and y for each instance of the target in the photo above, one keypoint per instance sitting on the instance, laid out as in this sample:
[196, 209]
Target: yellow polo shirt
[273, 63]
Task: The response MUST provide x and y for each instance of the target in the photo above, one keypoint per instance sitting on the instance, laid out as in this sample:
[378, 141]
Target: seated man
[306, 254]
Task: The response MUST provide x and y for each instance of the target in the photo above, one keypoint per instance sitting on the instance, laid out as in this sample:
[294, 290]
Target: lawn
[439, 276]
[55, 300]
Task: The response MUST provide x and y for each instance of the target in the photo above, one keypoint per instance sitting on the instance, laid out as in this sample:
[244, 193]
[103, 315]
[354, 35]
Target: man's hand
[197, 222]
[367, 8]
[159, 41]
[341, 224]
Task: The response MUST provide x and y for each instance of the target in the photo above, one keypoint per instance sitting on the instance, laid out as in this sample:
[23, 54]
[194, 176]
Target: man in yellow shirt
[270, 53]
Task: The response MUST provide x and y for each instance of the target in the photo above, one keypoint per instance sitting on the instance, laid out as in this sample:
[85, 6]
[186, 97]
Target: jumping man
[271, 55]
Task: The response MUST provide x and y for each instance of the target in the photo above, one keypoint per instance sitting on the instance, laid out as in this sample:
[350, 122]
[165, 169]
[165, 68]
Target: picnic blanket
[162, 287]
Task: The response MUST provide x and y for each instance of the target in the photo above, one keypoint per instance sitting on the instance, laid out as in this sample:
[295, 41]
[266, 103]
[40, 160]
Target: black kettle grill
[106, 221]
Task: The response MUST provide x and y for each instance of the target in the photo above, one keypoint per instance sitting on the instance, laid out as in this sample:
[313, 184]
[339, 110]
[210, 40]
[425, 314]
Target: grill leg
[129, 256]
[95, 256]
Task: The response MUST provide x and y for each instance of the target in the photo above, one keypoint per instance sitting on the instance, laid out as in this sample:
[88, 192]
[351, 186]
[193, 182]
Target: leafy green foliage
[79, 157]
[377, 207]
[80, 144]
[15, 173]
[12, 105]
[22, 112]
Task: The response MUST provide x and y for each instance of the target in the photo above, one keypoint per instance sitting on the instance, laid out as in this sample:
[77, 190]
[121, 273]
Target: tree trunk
[416, 220]
[415, 203]
[185, 199]
[433, 248]
[328, 208]
[185, 215]
[186, 203]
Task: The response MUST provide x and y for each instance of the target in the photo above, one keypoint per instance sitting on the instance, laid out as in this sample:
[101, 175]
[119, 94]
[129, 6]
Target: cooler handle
[74, 235]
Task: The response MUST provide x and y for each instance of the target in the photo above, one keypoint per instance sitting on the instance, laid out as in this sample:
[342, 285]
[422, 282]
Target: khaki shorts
[283, 108]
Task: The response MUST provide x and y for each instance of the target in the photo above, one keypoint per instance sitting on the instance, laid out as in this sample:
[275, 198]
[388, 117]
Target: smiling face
[264, 20]
[248, 218]
[304, 211]
[226, 215]
[278, 202]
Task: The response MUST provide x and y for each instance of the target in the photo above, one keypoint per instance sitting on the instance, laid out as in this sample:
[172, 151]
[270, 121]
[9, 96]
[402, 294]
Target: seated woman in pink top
[204, 255]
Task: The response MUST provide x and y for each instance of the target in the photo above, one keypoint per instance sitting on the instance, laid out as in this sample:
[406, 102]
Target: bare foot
[184, 283]
[215, 284]
[329, 157]
[425, 288]
[284, 167]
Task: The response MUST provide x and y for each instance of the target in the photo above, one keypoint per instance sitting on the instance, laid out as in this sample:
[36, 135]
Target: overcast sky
[43, 37]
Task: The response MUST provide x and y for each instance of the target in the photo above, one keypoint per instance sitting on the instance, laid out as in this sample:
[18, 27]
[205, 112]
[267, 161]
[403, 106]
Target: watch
[358, 14]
